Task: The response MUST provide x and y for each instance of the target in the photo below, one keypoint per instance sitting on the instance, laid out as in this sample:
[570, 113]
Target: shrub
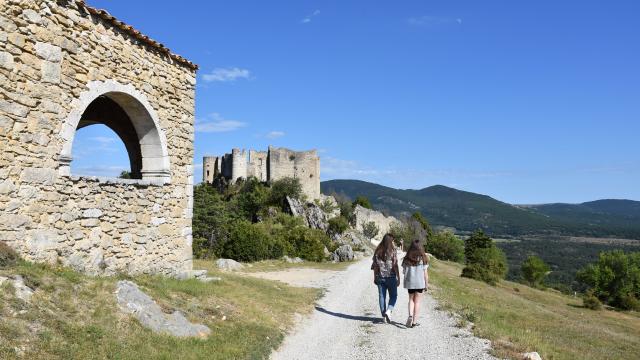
[308, 243]
[484, 261]
[534, 270]
[8, 256]
[252, 198]
[247, 242]
[282, 188]
[614, 279]
[590, 301]
[445, 245]
[370, 229]
[327, 206]
[362, 201]
[338, 225]
[629, 302]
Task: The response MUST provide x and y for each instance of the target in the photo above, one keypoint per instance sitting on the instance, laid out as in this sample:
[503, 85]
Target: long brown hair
[415, 254]
[385, 248]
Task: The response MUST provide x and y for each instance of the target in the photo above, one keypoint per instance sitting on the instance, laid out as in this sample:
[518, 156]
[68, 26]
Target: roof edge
[130, 30]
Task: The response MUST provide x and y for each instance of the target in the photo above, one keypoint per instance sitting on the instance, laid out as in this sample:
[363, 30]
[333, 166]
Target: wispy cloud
[99, 170]
[307, 19]
[274, 134]
[103, 140]
[226, 74]
[429, 20]
[215, 123]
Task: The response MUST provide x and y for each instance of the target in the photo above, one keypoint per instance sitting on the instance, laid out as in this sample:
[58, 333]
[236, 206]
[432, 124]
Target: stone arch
[131, 116]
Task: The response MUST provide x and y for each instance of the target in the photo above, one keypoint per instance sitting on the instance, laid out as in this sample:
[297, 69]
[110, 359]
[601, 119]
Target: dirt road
[347, 325]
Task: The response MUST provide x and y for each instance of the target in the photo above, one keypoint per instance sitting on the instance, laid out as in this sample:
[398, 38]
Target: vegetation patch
[73, 316]
[555, 325]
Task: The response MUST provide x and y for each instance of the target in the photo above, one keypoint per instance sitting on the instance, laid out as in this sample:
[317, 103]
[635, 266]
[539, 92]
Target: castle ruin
[271, 165]
[63, 66]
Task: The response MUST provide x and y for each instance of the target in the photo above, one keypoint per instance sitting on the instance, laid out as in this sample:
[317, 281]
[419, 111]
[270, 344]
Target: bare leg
[411, 304]
[416, 306]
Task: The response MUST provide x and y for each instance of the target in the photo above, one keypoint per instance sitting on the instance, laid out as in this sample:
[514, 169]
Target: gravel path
[346, 325]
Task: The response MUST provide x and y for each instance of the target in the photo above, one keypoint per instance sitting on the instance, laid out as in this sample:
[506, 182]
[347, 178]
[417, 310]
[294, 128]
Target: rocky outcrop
[364, 215]
[228, 265]
[295, 260]
[131, 300]
[531, 356]
[310, 212]
[328, 201]
[343, 253]
[22, 291]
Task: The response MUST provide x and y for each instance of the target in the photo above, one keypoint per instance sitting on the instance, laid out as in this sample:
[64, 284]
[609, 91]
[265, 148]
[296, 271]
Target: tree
[124, 174]
[484, 261]
[534, 270]
[362, 201]
[282, 188]
[338, 225]
[370, 229]
[424, 223]
[445, 245]
[614, 279]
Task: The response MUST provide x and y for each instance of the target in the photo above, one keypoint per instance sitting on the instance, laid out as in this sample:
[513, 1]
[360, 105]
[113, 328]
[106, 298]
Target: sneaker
[415, 325]
[409, 322]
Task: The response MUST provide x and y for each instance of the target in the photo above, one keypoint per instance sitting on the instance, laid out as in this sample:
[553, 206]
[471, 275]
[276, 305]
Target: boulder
[295, 260]
[22, 291]
[131, 300]
[344, 253]
[531, 356]
[228, 265]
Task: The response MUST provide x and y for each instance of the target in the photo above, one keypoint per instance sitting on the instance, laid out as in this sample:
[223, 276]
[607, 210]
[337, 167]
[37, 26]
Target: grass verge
[517, 319]
[72, 316]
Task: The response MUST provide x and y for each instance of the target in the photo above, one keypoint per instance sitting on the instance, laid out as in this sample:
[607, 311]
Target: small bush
[534, 271]
[629, 302]
[446, 246]
[590, 301]
[247, 243]
[362, 201]
[338, 225]
[484, 261]
[370, 229]
[8, 256]
[308, 243]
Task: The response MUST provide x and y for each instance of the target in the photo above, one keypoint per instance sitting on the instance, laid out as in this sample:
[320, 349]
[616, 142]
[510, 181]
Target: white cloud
[275, 134]
[429, 20]
[307, 19]
[103, 140]
[226, 75]
[216, 123]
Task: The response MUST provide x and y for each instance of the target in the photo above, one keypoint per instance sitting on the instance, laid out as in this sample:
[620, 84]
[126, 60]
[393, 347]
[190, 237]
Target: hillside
[467, 211]
[518, 319]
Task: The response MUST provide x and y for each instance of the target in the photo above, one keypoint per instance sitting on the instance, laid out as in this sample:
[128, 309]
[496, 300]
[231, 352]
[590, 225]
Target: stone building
[64, 66]
[271, 165]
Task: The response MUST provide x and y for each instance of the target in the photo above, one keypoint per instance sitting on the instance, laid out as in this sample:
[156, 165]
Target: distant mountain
[469, 211]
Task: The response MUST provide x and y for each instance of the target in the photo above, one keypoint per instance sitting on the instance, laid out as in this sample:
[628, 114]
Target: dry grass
[278, 265]
[72, 316]
[518, 319]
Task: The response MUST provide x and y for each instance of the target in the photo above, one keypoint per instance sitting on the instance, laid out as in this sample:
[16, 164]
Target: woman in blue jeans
[386, 275]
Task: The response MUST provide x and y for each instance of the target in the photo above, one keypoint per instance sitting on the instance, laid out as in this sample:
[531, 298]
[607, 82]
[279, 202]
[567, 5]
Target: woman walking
[416, 279]
[386, 275]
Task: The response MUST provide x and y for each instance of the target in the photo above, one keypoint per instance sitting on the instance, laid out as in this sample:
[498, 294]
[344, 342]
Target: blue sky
[527, 102]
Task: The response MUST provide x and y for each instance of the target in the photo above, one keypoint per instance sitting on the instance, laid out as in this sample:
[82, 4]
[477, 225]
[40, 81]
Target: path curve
[346, 325]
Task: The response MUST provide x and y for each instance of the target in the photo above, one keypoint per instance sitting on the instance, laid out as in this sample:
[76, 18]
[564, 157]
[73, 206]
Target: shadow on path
[375, 320]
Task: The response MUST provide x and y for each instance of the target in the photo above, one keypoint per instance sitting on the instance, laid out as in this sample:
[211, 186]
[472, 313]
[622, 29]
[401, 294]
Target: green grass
[277, 265]
[72, 316]
[518, 319]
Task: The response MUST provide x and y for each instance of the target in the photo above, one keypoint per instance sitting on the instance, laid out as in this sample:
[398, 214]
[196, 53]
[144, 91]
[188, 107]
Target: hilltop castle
[271, 165]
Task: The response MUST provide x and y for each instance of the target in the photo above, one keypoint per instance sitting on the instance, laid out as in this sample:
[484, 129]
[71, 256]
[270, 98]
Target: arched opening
[126, 112]
[99, 151]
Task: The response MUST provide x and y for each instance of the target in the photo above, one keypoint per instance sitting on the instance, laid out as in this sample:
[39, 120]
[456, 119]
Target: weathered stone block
[41, 176]
[6, 60]
[92, 213]
[48, 52]
[50, 72]
[7, 186]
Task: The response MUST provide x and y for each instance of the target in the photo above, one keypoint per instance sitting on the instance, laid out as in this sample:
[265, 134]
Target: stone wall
[302, 165]
[56, 58]
[364, 215]
[271, 165]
